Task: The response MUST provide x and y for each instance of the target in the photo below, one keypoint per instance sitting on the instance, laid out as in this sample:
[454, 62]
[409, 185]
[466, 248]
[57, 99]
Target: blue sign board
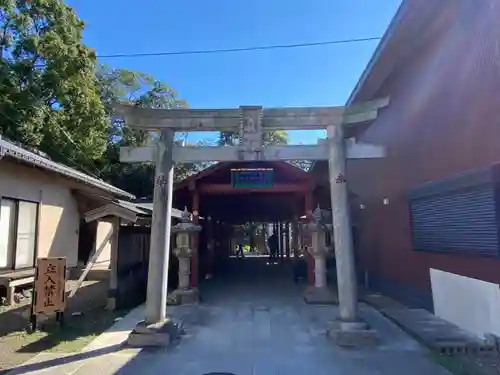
[252, 178]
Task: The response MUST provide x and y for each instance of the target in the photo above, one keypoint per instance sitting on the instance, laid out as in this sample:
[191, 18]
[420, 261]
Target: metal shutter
[462, 220]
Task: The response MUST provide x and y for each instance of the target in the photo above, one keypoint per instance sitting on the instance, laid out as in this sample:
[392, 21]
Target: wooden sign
[50, 283]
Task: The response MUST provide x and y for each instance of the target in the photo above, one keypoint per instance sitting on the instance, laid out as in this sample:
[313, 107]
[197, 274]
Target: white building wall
[471, 304]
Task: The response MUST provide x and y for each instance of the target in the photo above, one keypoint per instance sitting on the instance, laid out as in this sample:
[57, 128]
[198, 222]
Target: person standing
[240, 251]
[272, 242]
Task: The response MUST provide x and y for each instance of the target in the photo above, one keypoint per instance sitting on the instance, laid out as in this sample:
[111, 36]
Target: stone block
[183, 296]
[153, 335]
[352, 334]
[320, 296]
[111, 304]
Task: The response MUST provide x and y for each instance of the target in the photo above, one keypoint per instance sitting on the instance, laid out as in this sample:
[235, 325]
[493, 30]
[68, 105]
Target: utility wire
[68, 137]
[243, 49]
[65, 133]
[73, 162]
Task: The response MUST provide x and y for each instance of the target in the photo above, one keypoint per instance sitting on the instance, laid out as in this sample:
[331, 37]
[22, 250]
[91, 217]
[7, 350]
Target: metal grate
[462, 220]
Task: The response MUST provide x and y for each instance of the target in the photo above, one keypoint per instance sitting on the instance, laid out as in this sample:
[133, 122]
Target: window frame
[12, 266]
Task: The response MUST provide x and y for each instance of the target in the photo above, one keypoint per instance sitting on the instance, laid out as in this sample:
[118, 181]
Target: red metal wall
[444, 118]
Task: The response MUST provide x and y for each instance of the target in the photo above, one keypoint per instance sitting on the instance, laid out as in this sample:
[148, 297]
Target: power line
[65, 133]
[68, 137]
[244, 49]
[75, 164]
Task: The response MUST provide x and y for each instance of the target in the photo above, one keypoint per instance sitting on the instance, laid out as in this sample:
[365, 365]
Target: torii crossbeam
[251, 122]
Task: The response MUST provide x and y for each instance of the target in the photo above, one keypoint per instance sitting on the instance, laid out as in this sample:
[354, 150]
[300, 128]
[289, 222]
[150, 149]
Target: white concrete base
[158, 334]
[320, 296]
[184, 296]
[352, 334]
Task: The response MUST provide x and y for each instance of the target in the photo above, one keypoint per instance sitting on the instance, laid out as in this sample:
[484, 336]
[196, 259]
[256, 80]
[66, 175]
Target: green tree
[133, 88]
[272, 137]
[276, 138]
[228, 138]
[269, 138]
[54, 97]
[48, 94]
[142, 90]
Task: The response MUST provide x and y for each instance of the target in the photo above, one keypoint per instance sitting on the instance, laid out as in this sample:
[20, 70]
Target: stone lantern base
[320, 296]
[184, 296]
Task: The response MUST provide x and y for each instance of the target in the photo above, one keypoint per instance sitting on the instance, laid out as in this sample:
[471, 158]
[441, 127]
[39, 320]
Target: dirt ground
[85, 318]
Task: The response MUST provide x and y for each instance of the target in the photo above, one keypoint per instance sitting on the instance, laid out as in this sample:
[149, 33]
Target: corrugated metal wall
[444, 118]
[457, 221]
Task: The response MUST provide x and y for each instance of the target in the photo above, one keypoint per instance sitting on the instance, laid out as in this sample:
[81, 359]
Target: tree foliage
[269, 138]
[142, 90]
[49, 99]
[55, 98]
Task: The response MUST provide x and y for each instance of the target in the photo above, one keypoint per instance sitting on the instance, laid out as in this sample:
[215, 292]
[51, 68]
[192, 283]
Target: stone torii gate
[251, 122]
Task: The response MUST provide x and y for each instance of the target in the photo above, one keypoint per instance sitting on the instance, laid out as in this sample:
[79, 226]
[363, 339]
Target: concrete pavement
[260, 325]
[254, 322]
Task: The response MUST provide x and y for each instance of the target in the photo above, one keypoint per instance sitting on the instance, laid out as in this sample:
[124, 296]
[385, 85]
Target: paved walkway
[261, 326]
[252, 322]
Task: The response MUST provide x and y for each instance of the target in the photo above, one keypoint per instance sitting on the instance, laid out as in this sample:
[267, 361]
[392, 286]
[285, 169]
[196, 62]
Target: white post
[295, 238]
[346, 277]
[159, 253]
[320, 271]
[318, 252]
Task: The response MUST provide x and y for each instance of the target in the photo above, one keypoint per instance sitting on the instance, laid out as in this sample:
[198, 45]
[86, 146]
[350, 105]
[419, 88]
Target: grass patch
[74, 335]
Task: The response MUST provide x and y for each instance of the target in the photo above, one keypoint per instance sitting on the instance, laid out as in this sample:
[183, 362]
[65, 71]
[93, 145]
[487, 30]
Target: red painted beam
[228, 189]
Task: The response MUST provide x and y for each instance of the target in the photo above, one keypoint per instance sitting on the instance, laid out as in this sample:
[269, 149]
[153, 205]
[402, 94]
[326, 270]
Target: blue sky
[311, 76]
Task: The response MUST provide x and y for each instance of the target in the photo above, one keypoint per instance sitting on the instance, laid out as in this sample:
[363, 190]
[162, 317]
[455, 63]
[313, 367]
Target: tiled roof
[9, 149]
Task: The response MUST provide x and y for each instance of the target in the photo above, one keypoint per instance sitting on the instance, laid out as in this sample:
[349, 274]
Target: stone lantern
[318, 227]
[185, 232]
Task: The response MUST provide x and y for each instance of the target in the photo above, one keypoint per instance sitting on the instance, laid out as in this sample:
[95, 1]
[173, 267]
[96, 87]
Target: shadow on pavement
[37, 366]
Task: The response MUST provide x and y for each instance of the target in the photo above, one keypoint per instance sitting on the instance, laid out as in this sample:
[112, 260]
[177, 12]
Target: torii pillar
[252, 122]
[349, 330]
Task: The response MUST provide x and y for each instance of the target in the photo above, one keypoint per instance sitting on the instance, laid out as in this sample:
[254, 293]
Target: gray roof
[134, 207]
[8, 149]
[147, 207]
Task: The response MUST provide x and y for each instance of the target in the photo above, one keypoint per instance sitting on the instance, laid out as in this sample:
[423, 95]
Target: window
[457, 214]
[18, 225]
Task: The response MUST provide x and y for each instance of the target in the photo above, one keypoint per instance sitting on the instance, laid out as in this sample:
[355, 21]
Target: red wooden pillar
[310, 260]
[194, 259]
